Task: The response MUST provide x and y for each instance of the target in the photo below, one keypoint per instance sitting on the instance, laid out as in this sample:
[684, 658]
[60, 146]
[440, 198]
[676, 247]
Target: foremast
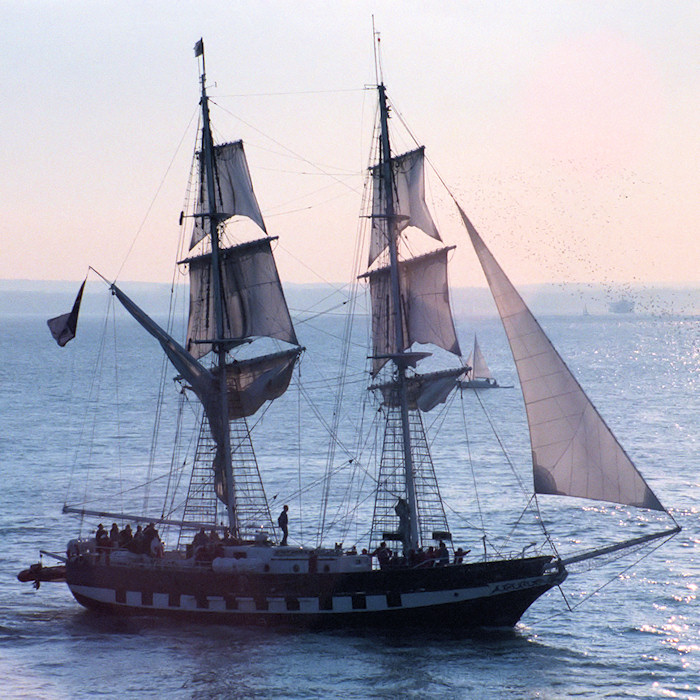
[218, 344]
[387, 179]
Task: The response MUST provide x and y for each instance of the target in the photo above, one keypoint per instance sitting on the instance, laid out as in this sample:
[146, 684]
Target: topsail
[424, 307]
[409, 204]
[233, 190]
[253, 302]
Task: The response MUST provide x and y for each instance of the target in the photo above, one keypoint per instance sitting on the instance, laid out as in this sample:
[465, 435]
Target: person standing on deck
[282, 522]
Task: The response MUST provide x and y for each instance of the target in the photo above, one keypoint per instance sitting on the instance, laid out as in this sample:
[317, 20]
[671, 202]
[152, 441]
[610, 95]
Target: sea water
[633, 632]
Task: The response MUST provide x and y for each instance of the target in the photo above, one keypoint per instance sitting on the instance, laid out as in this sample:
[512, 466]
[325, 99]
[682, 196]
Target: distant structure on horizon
[621, 306]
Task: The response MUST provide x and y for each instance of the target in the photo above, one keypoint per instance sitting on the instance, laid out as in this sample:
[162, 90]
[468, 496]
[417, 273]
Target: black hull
[458, 597]
[505, 612]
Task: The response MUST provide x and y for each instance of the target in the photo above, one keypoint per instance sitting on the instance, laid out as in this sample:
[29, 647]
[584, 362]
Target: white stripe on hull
[359, 603]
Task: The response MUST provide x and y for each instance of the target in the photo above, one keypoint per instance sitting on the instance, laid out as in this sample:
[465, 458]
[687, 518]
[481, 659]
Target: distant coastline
[46, 299]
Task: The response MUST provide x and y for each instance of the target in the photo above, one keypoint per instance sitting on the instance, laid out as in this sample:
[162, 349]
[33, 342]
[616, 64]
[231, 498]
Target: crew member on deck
[282, 522]
[125, 537]
[443, 555]
[102, 538]
[136, 545]
[114, 536]
[460, 554]
[149, 532]
[200, 541]
[103, 542]
[156, 546]
[383, 554]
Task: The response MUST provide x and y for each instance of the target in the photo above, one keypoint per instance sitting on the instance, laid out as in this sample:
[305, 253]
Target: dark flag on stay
[63, 327]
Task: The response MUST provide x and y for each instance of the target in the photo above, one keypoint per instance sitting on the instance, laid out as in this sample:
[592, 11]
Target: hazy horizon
[50, 298]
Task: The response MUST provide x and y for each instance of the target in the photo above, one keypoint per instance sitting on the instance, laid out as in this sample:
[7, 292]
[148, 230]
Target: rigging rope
[155, 196]
[93, 390]
[303, 159]
[345, 351]
[299, 433]
[116, 403]
[471, 463]
[585, 599]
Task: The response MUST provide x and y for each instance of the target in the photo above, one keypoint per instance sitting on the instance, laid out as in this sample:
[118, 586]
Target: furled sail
[574, 453]
[253, 300]
[423, 391]
[234, 190]
[477, 362]
[410, 208]
[251, 382]
[425, 306]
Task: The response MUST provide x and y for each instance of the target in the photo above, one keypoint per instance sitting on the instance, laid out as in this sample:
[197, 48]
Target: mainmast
[218, 344]
[391, 224]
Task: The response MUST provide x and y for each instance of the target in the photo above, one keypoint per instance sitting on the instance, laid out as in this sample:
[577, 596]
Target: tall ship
[226, 556]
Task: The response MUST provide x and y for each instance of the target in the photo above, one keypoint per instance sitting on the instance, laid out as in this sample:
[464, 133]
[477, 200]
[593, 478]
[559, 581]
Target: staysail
[574, 453]
[192, 371]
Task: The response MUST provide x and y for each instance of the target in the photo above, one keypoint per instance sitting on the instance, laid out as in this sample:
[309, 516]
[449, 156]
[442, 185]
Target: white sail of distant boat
[478, 375]
[477, 362]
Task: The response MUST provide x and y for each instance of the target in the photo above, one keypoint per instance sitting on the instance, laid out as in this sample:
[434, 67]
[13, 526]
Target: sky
[569, 131]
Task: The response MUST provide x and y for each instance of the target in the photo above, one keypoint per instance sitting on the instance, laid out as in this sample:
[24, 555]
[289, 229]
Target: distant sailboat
[479, 375]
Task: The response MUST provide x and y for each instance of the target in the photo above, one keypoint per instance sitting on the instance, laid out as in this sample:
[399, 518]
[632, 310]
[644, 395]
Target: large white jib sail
[574, 452]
